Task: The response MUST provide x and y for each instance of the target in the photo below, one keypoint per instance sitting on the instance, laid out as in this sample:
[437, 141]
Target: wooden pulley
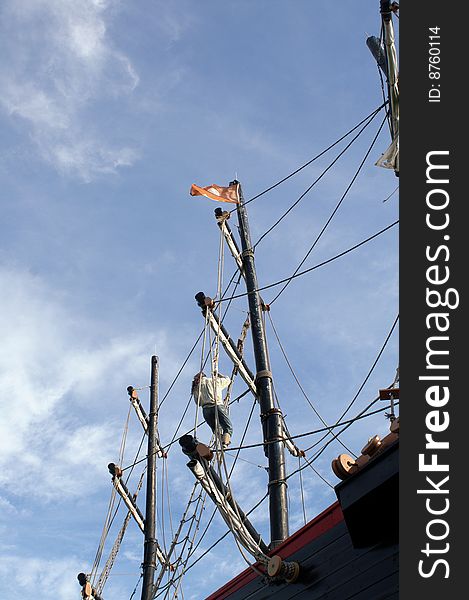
[209, 302]
[343, 466]
[394, 427]
[288, 571]
[204, 451]
[87, 589]
[132, 392]
[274, 566]
[373, 445]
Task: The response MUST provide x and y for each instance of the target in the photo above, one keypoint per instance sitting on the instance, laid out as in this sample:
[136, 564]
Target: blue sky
[109, 111]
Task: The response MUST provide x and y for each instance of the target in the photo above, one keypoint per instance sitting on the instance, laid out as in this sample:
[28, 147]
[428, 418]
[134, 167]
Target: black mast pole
[150, 546]
[270, 415]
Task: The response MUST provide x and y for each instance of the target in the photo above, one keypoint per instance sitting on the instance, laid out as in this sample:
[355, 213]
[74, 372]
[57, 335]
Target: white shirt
[207, 393]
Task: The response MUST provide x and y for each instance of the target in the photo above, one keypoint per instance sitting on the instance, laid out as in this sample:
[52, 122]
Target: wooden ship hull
[349, 551]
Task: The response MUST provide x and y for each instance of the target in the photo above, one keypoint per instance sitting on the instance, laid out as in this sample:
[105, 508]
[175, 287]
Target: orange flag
[216, 192]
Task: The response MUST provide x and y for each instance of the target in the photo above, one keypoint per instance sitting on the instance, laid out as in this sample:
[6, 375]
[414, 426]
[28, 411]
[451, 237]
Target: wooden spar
[124, 493]
[143, 418]
[222, 217]
[205, 302]
[210, 481]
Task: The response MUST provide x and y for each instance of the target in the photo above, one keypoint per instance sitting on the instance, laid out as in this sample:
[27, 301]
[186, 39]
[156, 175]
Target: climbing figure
[212, 403]
[88, 592]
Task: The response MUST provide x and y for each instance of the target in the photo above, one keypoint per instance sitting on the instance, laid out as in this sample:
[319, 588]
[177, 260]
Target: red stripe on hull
[318, 526]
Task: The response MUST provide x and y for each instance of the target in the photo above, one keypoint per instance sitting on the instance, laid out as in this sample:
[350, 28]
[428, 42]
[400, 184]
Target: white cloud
[60, 65]
[27, 577]
[7, 507]
[55, 369]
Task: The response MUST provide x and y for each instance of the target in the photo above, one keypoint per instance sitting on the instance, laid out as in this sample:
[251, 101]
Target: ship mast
[150, 547]
[271, 416]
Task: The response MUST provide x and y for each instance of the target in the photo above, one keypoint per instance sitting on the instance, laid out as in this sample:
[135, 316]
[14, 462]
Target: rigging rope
[375, 362]
[240, 533]
[321, 264]
[376, 111]
[316, 456]
[302, 492]
[107, 520]
[231, 471]
[313, 432]
[238, 529]
[181, 563]
[299, 384]
[116, 547]
[136, 586]
[198, 338]
[309, 464]
[347, 423]
[319, 178]
[390, 195]
[226, 533]
[318, 237]
[200, 378]
[176, 541]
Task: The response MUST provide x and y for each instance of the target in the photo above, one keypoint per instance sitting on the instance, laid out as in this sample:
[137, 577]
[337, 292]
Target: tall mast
[270, 415]
[150, 546]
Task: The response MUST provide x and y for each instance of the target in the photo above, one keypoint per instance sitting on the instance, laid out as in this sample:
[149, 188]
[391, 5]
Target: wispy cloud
[31, 575]
[61, 61]
[55, 368]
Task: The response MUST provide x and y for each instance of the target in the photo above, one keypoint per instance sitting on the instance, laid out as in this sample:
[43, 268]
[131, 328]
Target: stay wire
[182, 367]
[299, 384]
[375, 362]
[108, 520]
[302, 492]
[193, 347]
[231, 471]
[226, 533]
[197, 405]
[360, 414]
[318, 237]
[102, 579]
[175, 540]
[391, 194]
[317, 180]
[208, 354]
[373, 113]
[313, 432]
[239, 533]
[180, 370]
[180, 562]
[135, 589]
[173, 441]
[321, 264]
[309, 464]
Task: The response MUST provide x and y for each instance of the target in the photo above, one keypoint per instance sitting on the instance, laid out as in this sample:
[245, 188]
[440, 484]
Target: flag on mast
[217, 192]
